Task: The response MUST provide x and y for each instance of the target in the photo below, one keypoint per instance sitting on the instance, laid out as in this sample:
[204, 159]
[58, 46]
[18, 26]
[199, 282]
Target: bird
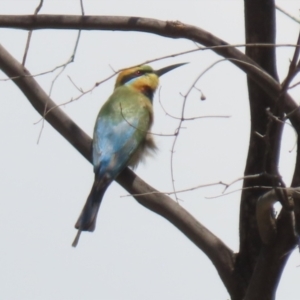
[121, 134]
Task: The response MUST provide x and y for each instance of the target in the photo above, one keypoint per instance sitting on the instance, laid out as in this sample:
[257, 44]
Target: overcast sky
[133, 253]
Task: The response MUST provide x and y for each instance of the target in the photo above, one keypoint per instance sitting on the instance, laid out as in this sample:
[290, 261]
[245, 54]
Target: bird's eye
[138, 72]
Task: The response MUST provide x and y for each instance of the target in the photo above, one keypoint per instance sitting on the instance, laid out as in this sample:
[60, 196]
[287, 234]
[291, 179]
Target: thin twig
[293, 69]
[64, 66]
[182, 119]
[254, 176]
[81, 7]
[245, 188]
[287, 14]
[75, 85]
[30, 33]
[178, 192]
[34, 75]
[294, 85]
[186, 119]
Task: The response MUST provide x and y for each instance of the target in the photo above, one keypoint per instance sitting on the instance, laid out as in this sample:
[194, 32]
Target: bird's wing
[119, 131]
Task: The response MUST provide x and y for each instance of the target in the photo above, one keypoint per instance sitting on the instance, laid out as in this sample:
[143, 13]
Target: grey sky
[134, 253]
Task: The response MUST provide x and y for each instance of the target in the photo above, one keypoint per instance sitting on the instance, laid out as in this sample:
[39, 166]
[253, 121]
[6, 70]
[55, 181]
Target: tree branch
[266, 261]
[263, 152]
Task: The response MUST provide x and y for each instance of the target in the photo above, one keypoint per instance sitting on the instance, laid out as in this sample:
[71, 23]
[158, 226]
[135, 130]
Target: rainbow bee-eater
[121, 134]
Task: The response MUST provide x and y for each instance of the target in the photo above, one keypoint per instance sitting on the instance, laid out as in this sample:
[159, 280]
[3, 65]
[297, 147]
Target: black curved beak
[164, 70]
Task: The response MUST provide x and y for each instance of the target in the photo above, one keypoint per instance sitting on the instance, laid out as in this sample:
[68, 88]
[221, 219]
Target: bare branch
[293, 85]
[70, 60]
[81, 7]
[180, 191]
[293, 69]
[30, 33]
[287, 14]
[253, 187]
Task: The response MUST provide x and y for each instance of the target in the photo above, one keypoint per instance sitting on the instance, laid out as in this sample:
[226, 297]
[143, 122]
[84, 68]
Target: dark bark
[260, 264]
[262, 156]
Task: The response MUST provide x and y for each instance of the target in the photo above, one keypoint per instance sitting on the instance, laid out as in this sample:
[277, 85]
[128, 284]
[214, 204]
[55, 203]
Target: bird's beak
[164, 70]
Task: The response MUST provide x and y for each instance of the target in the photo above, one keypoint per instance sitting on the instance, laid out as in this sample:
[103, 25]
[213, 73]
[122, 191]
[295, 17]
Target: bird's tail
[88, 216]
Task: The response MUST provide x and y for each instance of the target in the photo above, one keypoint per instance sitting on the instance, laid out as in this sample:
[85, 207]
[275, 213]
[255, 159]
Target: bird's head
[143, 78]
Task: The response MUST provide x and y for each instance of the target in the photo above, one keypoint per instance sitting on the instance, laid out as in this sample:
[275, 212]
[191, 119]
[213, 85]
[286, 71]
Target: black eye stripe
[136, 74]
